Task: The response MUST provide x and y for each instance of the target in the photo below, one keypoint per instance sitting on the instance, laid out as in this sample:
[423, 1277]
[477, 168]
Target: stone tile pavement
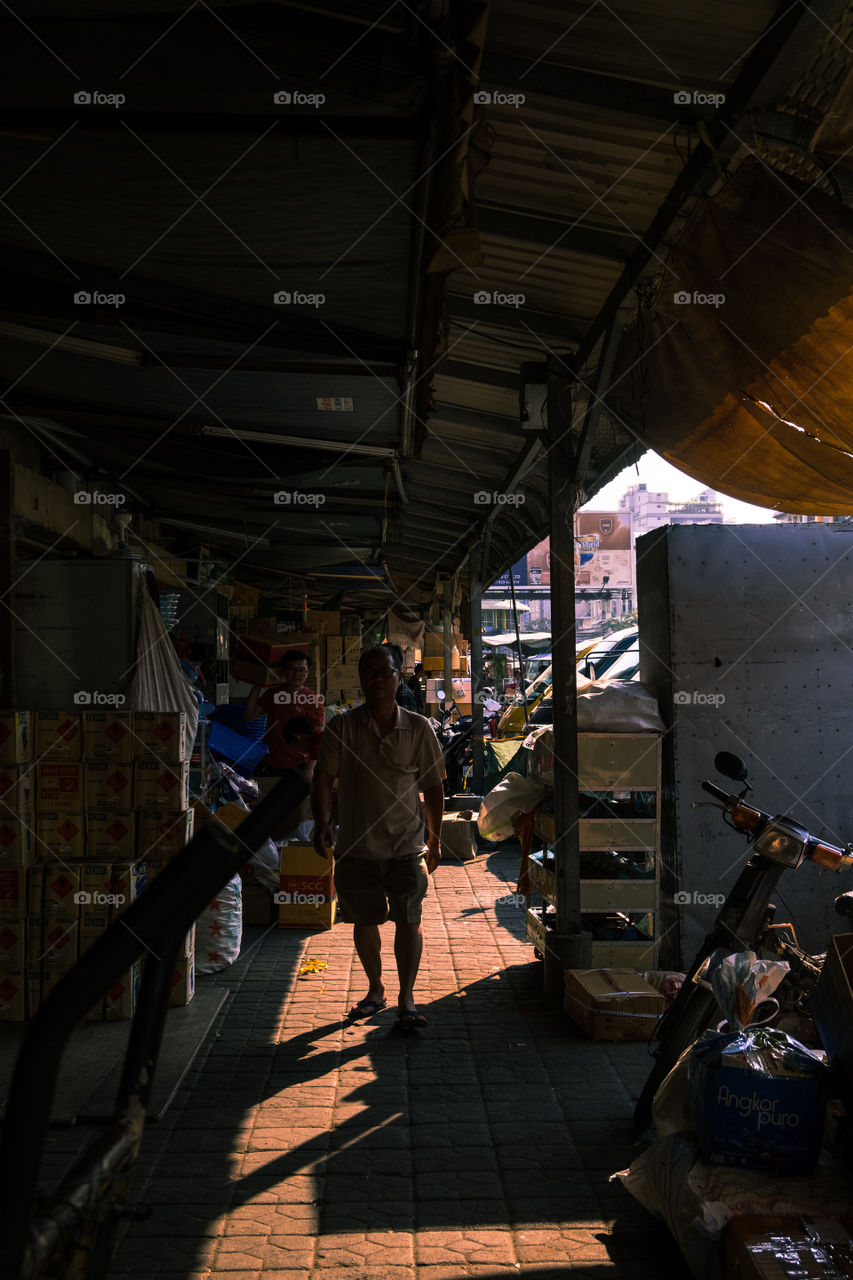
[302, 1147]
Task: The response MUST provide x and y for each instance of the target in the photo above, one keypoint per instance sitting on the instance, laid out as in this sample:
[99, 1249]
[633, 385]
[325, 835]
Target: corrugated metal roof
[200, 198]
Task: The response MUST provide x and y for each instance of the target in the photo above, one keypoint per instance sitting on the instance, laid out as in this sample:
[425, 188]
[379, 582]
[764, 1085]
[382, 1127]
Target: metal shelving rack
[622, 772]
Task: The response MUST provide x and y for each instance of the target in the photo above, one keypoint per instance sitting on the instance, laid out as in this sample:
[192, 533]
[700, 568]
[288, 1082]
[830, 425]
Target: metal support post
[569, 947]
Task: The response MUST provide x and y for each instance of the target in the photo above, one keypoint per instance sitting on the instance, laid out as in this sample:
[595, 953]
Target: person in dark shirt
[417, 689]
[405, 697]
[283, 702]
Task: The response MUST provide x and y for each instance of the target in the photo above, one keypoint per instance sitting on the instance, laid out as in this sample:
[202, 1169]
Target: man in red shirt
[281, 703]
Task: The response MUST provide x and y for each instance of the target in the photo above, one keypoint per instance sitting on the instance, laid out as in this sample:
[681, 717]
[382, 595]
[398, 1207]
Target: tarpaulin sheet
[741, 373]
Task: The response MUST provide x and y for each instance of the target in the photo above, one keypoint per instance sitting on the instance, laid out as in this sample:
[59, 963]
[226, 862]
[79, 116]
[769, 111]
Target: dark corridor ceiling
[272, 270]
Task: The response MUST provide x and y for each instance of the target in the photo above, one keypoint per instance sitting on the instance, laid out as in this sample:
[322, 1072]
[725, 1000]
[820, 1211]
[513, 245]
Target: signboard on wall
[603, 556]
[519, 576]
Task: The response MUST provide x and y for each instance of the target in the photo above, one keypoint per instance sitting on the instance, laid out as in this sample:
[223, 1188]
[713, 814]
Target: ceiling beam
[31, 289]
[586, 88]
[556, 330]
[702, 168]
[46, 123]
[478, 373]
[501, 223]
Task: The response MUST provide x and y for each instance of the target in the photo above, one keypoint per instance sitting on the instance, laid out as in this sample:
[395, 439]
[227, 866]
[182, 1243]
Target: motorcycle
[744, 923]
[455, 738]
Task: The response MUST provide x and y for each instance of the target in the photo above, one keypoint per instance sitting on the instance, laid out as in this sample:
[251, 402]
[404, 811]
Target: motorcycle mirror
[439, 693]
[730, 766]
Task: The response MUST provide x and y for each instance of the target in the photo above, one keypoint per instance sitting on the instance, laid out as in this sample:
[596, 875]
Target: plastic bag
[741, 982]
[618, 706]
[219, 929]
[238, 790]
[512, 796]
[696, 1200]
[303, 834]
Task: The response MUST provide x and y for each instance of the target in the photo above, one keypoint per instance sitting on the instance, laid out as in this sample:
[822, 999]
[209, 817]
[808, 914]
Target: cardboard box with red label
[161, 833]
[126, 882]
[108, 735]
[183, 981]
[17, 787]
[158, 785]
[107, 890]
[306, 896]
[164, 734]
[119, 1003]
[61, 786]
[111, 836]
[16, 737]
[13, 946]
[40, 983]
[13, 893]
[109, 785]
[51, 942]
[17, 841]
[58, 735]
[55, 890]
[59, 835]
[13, 997]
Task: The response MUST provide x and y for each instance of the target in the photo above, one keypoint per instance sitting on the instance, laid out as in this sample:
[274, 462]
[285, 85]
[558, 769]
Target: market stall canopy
[741, 371]
[531, 641]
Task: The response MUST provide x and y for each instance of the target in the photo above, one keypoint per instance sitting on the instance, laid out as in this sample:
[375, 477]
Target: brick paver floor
[304, 1148]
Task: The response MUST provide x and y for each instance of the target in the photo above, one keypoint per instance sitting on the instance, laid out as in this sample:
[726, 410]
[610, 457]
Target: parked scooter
[745, 919]
[455, 738]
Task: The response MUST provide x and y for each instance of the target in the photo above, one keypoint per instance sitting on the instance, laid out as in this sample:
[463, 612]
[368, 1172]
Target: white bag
[219, 929]
[513, 795]
[618, 706]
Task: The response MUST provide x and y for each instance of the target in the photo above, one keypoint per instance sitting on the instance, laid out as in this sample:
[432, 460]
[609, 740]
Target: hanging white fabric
[158, 683]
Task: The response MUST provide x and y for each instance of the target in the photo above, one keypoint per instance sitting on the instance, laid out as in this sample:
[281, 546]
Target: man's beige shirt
[379, 780]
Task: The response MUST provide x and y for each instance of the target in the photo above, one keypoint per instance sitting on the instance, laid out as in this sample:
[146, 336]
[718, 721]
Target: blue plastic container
[242, 752]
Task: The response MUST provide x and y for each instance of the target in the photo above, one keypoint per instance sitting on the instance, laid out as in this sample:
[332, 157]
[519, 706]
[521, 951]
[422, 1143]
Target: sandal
[367, 1008]
[410, 1019]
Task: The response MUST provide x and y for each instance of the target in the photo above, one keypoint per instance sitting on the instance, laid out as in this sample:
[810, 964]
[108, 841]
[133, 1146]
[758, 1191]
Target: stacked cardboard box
[340, 666]
[259, 657]
[92, 804]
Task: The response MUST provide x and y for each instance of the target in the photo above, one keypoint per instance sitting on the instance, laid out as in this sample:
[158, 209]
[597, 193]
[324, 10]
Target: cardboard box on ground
[306, 898]
[612, 1004]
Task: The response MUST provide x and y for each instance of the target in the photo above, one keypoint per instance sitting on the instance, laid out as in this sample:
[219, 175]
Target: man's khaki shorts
[371, 892]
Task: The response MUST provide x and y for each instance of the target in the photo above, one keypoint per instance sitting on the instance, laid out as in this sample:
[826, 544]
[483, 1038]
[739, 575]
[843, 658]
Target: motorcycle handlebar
[718, 793]
[753, 821]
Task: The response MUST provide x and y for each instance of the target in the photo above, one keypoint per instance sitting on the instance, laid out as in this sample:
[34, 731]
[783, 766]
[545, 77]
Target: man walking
[382, 757]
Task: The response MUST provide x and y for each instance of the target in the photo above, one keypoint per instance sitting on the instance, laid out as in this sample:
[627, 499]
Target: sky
[653, 471]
